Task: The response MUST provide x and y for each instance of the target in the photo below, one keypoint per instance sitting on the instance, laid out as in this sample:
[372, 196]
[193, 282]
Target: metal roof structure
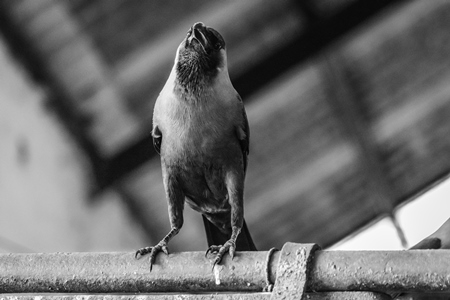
[348, 101]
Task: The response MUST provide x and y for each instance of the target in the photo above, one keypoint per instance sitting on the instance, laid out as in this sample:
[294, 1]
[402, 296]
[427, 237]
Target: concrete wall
[45, 202]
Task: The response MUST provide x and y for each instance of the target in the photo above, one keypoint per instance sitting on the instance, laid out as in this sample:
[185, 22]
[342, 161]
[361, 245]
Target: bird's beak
[198, 33]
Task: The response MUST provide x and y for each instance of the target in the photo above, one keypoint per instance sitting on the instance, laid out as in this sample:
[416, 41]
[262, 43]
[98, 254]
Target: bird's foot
[160, 247]
[220, 251]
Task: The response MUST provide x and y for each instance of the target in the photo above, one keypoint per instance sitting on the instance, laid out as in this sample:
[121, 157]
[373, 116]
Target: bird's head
[206, 41]
[200, 57]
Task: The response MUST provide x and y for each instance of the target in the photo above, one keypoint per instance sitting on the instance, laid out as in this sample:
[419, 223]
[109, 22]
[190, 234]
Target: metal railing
[298, 270]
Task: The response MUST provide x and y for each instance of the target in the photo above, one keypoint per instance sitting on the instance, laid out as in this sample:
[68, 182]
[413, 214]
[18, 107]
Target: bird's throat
[194, 73]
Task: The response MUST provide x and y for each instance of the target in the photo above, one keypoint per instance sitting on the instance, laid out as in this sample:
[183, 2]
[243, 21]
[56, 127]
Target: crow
[201, 131]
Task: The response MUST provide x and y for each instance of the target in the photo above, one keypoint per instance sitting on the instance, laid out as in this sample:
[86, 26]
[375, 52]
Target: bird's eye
[217, 46]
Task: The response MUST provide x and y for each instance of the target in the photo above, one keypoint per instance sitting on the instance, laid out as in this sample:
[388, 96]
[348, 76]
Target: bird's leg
[229, 246]
[175, 198]
[235, 189]
[161, 246]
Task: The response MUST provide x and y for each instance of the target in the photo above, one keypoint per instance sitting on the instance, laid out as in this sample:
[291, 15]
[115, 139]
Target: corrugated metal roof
[354, 120]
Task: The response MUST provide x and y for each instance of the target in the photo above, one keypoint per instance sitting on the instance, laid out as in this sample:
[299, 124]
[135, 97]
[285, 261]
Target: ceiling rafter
[316, 37]
[344, 101]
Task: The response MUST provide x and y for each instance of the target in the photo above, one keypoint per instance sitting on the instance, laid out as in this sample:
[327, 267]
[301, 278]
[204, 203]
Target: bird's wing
[243, 132]
[157, 139]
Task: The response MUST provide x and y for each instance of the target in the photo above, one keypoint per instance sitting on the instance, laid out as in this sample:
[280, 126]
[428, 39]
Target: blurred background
[348, 103]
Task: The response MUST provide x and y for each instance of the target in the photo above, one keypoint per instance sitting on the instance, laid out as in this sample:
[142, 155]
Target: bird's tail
[214, 236]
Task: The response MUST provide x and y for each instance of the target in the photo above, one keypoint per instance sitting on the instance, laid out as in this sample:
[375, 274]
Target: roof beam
[320, 34]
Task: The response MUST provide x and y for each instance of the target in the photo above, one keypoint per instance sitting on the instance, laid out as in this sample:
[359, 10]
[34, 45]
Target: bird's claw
[142, 252]
[160, 247]
[229, 246]
[213, 249]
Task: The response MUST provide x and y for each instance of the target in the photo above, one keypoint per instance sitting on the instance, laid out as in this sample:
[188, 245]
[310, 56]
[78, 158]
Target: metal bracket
[292, 271]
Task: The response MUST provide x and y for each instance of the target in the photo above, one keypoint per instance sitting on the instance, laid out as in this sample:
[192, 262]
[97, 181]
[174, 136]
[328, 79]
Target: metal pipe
[121, 273]
[206, 296]
[418, 271]
[386, 271]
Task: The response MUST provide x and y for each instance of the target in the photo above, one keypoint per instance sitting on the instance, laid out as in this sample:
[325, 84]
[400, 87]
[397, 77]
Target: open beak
[198, 33]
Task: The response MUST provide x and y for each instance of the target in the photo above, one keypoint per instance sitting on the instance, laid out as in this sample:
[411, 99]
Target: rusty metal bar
[216, 296]
[122, 273]
[419, 271]
[167, 296]
[385, 271]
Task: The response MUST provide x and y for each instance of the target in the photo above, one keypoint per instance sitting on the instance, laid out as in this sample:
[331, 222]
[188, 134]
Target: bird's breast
[202, 130]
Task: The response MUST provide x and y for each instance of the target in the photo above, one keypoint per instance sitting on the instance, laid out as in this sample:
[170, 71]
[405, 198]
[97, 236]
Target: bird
[440, 239]
[201, 132]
